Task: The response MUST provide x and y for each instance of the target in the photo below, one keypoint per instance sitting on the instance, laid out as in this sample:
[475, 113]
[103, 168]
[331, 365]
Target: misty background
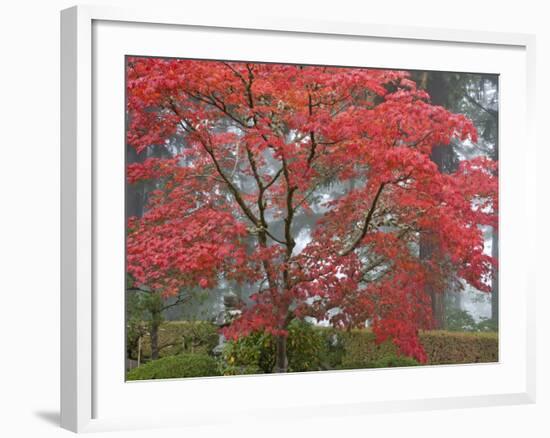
[474, 95]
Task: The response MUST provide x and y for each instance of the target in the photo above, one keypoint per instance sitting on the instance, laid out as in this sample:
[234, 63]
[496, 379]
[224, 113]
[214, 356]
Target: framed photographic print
[315, 218]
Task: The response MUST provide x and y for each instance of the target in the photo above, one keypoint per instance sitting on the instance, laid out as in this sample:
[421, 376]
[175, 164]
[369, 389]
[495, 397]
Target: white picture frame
[83, 374]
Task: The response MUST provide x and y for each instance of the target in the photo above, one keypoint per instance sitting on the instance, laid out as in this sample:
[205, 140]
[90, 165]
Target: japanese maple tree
[259, 143]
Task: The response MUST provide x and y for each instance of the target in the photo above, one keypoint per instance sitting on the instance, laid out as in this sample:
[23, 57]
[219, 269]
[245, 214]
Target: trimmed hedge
[360, 350]
[172, 367]
[177, 337]
[442, 347]
[392, 361]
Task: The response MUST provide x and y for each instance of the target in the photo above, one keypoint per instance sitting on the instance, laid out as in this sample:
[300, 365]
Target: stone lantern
[229, 313]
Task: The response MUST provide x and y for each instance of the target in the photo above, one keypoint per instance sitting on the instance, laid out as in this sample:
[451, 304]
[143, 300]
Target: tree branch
[179, 300]
[311, 134]
[275, 177]
[366, 222]
[489, 111]
[246, 210]
[231, 187]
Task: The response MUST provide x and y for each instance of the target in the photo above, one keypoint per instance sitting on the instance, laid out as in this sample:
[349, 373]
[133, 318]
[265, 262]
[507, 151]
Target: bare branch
[489, 111]
[366, 222]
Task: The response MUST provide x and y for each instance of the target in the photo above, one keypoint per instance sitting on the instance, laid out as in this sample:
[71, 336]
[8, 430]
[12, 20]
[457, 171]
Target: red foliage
[258, 141]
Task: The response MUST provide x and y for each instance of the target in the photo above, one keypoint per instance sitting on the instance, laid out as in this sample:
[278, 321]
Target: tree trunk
[438, 308]
[494, 249]
[443, 156]
[155, 325]
[494, 291]
[437, 297]
[135, 193]
[281, 359]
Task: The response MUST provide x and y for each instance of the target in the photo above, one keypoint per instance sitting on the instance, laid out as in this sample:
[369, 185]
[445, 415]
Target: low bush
[334, 348]
[253, 354]
[172, 367]
[306, 349]
[458, 320]
[391, 361]
[360, 350]
[177, 337]
[443, 347]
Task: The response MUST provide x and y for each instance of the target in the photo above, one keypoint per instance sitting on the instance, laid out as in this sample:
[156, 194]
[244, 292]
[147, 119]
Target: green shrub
[306, 348]
[172, 367]
[177, 337]
[443, 347]
[458, 320]
[333, 351]
[487, 325]
[391, 361]
[136, 326]
[360, 350]
[252, 354]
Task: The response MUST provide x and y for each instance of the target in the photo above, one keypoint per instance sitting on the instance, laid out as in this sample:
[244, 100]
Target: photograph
[287, 218]
[303, 219]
